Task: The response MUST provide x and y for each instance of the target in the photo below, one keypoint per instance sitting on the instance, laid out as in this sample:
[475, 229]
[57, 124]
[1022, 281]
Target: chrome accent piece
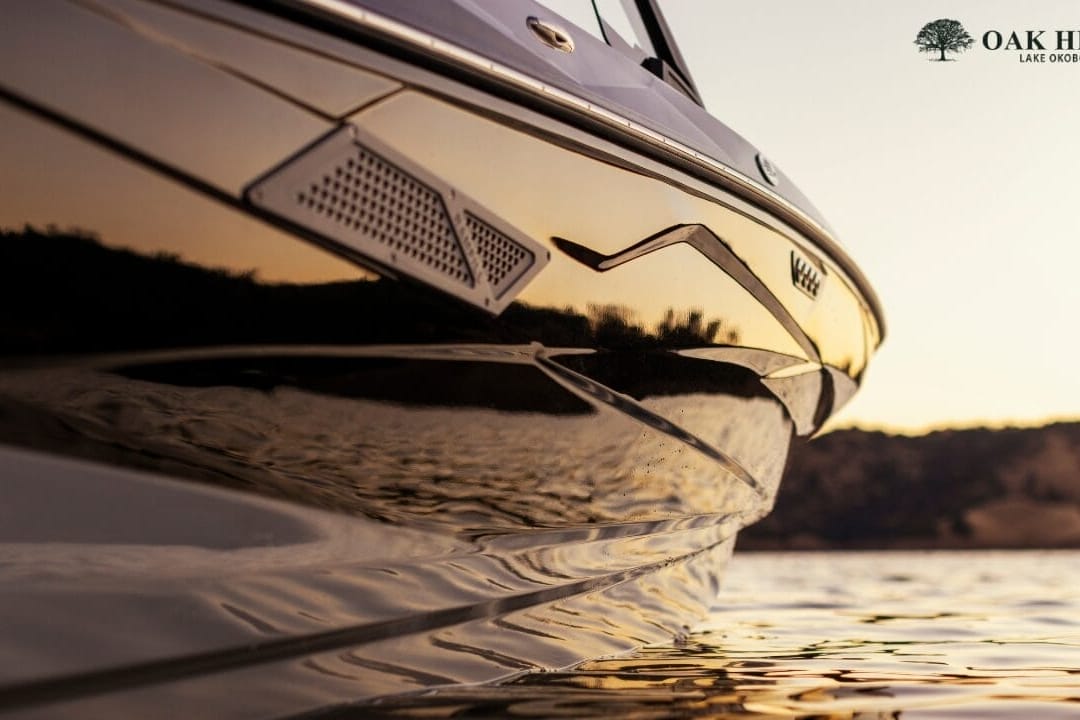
[805, 276]
[763, 362]
[843, 388]
[358, 193]
[551, 34]
[768, 170]
[708, 244]
[505, 354]
[799, 389]
[634, 409]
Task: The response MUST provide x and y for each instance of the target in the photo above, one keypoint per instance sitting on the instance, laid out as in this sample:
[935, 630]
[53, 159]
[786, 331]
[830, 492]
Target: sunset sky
[956, 186]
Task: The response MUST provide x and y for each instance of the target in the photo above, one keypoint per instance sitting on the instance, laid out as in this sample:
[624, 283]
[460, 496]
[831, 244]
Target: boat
[353, 349]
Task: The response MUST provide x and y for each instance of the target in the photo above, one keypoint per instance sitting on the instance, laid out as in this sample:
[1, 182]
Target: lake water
[834, 635]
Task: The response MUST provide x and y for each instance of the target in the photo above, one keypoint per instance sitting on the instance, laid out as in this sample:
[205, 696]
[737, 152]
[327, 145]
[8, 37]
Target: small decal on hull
[805, 276]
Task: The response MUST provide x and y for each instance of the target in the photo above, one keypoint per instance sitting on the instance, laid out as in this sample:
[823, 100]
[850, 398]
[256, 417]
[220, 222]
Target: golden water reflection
[904, 635]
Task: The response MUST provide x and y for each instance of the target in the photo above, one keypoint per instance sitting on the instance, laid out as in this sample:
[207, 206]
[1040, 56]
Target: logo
[804, 275]
[943, 36]
[1032, 45]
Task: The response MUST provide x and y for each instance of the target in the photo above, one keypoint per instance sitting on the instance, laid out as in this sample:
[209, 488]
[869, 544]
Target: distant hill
[1011, 488]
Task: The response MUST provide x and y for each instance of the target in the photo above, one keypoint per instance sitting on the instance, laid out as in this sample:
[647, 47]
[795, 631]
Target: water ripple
[919, 635]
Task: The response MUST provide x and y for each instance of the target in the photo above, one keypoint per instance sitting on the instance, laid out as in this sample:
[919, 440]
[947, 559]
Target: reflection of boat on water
[478, 336]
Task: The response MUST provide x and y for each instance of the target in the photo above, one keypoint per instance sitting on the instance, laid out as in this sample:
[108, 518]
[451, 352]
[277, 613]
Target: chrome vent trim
[368, 194]
[359, 194]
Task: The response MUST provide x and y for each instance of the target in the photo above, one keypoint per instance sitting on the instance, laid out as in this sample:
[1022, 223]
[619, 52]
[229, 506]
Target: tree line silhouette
[67, 291]
[862, 489]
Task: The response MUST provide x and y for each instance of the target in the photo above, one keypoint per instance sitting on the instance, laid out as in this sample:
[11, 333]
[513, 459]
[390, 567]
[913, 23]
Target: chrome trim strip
[716, 250]
[402, 32]
[628, 406]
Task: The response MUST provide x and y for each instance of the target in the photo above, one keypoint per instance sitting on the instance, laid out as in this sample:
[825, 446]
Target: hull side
[264, 451]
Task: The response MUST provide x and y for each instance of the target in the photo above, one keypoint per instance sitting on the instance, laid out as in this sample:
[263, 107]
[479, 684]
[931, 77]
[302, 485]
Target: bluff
[979, 488]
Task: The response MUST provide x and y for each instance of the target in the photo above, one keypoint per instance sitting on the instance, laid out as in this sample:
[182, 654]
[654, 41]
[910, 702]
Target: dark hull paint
[262, 465]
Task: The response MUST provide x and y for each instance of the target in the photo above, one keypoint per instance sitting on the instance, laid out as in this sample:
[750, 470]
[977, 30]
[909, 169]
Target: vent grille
[503, 259]
[373, 204]
[368, 195]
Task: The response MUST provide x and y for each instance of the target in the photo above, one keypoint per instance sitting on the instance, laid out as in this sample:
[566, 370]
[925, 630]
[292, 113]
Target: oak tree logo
[943, 36]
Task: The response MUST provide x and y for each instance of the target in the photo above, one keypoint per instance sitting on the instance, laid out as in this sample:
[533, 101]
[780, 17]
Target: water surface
[833, 635]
